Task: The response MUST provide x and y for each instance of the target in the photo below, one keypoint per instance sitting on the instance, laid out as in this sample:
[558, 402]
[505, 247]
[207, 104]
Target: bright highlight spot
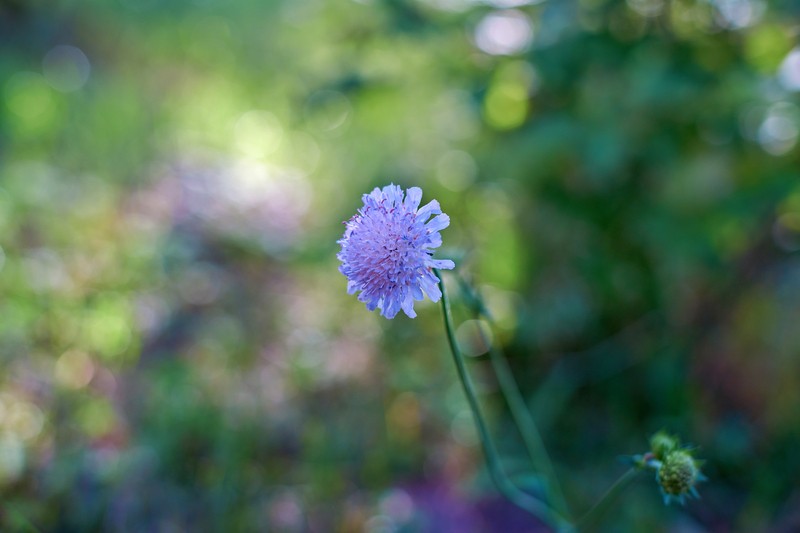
[766, 45]
[789, 73]
[66, 68]
[258, 133]
[738, 14]
[74, 369]
[507, 102]
[107, 327]
[474, 337]
[30, 100]
[504, 33]
[23, 419]
[779, 130]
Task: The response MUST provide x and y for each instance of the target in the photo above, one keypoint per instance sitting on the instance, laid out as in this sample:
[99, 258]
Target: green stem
[527, 427]
[22, 521]
[501, 481]
[534, 444]
[602, 504]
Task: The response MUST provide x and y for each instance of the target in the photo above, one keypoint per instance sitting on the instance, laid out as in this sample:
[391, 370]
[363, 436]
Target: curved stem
[534, 444]
[597, 510]
[531, 437]
[503, 484]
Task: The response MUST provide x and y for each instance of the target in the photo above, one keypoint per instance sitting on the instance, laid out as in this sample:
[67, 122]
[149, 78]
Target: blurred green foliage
[179, 353]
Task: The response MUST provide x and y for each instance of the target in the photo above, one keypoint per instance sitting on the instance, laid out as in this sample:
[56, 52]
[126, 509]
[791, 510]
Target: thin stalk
[534, 444]
[526, 426]
[501, 481]
[22, 520]
[602, 504]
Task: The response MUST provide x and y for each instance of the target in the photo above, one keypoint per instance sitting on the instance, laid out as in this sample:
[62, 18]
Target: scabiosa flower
[387, 250]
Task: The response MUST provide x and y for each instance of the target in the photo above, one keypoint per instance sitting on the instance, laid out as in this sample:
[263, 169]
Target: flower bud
[662, 443]
[678, 475]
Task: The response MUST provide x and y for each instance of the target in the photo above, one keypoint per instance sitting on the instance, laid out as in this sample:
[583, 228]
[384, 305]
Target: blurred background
[177, 348]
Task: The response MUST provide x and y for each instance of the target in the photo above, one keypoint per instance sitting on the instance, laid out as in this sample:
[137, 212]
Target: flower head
[677, 475]
[387, 250]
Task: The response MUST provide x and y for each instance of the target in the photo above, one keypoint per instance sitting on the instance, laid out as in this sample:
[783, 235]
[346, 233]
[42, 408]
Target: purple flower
[387, 248]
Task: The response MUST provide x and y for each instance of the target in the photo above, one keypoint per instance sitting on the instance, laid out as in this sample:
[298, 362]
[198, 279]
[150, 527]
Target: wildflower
[387, 250]
[677, 476]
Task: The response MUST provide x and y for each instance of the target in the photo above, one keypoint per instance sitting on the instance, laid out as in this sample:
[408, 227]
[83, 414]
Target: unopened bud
[662, 443]
[678, 475]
